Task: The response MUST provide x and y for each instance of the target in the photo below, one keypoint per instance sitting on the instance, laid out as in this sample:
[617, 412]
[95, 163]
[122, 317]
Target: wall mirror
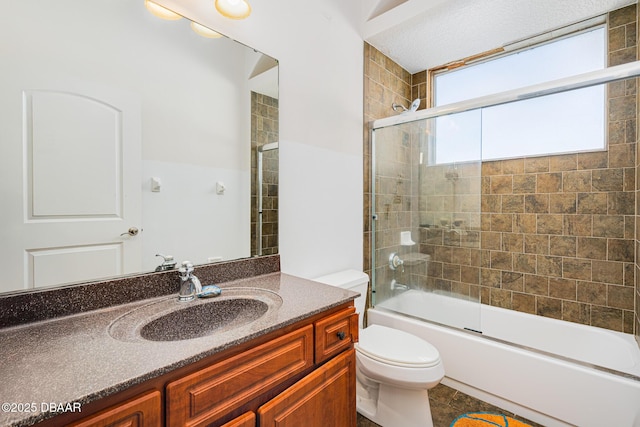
[125, 136]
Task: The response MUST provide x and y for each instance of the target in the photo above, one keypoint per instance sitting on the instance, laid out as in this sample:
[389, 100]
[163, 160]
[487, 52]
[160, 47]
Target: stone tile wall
[552, 235]
[629, 33]
[264, 130]
[557, 233]
[385, 82]
[557, 237]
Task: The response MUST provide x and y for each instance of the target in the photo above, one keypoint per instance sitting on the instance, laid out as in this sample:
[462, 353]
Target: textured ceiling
[421, 34]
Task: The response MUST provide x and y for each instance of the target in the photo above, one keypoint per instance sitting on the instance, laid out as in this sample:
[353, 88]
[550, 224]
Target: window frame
[516, 47]
[513, 49]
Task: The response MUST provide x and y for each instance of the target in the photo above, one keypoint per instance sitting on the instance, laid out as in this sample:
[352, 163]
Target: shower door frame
[580, 81]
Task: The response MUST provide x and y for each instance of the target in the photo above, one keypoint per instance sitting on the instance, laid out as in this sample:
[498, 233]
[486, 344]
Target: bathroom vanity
[294, 362]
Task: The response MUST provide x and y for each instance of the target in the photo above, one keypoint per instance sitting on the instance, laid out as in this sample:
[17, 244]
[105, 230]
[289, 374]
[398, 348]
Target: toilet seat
[397, 348]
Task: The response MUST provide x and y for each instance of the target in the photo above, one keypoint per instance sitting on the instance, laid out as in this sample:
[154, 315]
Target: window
[566, 122]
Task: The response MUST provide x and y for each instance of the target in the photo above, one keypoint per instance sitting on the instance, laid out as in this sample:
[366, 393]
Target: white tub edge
[575, 395]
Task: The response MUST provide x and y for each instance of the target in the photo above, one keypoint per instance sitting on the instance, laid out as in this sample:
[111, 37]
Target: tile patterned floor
[448, 403]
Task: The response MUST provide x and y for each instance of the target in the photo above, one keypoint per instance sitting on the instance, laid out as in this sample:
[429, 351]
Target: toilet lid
[396, 347]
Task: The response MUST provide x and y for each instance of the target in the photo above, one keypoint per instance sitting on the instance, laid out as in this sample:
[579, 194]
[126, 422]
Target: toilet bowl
[394, 369]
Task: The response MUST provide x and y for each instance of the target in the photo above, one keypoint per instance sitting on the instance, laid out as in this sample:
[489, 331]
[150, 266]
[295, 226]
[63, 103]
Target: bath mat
[486, 419]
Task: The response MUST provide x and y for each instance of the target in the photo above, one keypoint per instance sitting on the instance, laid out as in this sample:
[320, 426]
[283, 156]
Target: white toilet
[394, 368]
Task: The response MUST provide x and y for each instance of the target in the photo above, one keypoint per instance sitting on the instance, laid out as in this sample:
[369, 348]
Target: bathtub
[553, 372]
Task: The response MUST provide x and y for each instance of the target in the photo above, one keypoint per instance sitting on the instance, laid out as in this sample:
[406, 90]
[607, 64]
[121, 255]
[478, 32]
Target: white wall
[321, 99]
[188, 219]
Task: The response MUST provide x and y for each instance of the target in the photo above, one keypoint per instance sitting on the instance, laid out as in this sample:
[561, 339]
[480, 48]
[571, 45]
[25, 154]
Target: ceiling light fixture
[161, 12]
[203, 31]
[234, 9]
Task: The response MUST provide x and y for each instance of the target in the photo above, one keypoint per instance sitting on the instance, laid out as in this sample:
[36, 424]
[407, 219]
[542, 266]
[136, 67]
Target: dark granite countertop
[75, 360]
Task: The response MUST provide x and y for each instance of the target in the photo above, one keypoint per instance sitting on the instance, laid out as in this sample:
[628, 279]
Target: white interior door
[69, 181]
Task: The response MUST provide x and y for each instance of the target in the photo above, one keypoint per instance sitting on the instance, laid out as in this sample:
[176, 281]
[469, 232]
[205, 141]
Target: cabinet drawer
[335, 333]
[205, 396]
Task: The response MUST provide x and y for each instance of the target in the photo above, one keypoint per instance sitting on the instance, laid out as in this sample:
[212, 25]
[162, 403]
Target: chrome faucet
[395, 286]
[189, 284]
[168, 263]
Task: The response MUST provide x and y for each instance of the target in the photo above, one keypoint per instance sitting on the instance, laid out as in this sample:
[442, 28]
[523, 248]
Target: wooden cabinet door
[325, 397]
[142, 411]
[207, 396]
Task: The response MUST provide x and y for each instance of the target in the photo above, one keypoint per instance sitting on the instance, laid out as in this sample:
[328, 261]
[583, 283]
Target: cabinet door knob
[341, 335]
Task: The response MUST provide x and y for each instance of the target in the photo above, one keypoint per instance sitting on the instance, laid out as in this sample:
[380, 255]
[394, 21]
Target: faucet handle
[166, 258]
[186, 268]
[395, 261]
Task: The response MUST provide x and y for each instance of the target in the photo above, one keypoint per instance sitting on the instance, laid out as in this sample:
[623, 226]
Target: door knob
[133, 231]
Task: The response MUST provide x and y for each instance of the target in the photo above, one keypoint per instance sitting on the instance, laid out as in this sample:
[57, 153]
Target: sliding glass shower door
[426, 253]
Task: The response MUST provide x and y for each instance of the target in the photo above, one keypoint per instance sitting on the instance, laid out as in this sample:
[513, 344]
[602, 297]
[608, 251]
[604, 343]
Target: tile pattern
[385, 83]
[556, 232]
[553, 235]
[419, 88]
[625, 48]
[566, 250]
[397, 196]
[448, 403]
[265, 129]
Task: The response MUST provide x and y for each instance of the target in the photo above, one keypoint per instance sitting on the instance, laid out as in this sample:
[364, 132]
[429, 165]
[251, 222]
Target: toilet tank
[353, 280]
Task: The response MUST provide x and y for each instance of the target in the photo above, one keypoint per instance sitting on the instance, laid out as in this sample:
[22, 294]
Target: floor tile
[447, 404]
